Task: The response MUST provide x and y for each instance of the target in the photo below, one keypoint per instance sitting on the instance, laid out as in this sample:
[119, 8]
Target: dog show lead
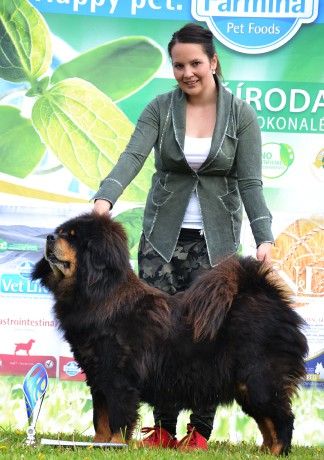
[207, 148]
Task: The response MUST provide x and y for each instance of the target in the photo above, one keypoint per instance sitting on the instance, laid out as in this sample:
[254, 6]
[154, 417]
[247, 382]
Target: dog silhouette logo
[319, 369]
[24, 346]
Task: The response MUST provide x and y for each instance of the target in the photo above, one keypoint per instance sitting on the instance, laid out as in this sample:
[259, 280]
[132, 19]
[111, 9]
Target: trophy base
[61, 443]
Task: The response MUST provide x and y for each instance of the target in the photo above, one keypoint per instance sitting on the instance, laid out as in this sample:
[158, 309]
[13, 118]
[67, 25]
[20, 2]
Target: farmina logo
[254, 26]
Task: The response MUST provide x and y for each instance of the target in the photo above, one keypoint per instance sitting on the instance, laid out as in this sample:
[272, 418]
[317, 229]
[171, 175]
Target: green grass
[13, 447]
[68, 408]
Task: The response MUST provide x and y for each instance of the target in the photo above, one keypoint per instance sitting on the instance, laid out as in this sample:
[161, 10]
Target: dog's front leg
[122, 403]
[100, 418]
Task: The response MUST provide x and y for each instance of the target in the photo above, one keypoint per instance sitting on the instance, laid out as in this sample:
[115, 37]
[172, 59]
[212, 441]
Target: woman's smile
[191, 83]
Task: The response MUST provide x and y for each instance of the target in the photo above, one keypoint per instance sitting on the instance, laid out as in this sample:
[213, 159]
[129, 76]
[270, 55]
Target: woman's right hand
[102, 207]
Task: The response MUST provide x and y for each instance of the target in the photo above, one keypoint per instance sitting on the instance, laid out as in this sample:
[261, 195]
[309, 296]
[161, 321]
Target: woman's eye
[178, 66]
[196, 64]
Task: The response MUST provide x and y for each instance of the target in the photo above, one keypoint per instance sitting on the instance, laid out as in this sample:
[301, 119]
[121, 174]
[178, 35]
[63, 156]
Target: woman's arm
[249, 174]
[131, 160]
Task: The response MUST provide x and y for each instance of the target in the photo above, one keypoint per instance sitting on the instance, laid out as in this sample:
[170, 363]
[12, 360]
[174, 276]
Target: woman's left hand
[264, 252]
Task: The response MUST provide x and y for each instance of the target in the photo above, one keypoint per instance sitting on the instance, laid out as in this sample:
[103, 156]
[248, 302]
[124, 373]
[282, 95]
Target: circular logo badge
[71, 368]
[25, 269]
[317, 166]
[254, 27]
[276, 159]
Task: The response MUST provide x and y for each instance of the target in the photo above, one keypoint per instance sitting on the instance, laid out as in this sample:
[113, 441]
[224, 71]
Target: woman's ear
[213, 62]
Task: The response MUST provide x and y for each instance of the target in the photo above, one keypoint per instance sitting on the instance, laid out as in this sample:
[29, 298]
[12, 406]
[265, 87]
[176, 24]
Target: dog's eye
[66, 232]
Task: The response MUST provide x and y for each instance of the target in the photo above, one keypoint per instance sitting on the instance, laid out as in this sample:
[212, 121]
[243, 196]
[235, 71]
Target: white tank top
[196, 150]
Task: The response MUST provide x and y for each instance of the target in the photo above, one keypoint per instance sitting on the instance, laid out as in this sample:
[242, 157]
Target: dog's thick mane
[109, 278]
[104, 286]
[104, 262]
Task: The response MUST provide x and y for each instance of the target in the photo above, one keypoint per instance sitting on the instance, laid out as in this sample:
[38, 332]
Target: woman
[207, 147]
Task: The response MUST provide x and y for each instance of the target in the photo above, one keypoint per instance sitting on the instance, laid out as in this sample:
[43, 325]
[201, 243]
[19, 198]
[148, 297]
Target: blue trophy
[34, 386]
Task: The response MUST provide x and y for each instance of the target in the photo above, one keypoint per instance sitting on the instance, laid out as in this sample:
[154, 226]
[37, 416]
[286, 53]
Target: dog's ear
[106, 260]
[95, 257]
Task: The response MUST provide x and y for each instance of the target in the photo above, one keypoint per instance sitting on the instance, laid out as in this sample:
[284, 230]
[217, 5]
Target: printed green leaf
[286, 154]
[118, 68]
[38, 88]
[87, 132]
[132, 220]
[21, 150]
[25, 42]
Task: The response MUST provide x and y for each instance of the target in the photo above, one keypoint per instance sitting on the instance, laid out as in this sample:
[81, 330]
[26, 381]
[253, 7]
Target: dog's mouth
[59, 266]
[51, 257]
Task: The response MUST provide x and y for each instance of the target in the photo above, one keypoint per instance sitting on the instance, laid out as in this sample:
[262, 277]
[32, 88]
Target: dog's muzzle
[50, 252]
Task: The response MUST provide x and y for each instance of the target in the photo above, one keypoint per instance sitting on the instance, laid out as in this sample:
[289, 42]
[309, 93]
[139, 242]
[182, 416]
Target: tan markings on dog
[103, 431]
[65, 254]
[267, 438]
[118, 439]
[243, 390]
[276, 447]
[265, 426]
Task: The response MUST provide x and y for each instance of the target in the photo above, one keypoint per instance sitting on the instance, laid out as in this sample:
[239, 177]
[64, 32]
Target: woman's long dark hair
[194, 33]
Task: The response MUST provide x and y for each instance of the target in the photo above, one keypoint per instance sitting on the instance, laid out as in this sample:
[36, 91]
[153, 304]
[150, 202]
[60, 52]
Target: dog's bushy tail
[208, 301]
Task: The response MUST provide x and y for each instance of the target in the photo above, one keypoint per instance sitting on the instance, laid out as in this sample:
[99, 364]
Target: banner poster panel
[109, 58]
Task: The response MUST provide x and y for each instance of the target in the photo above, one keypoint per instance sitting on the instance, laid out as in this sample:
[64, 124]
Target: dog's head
[90, 248]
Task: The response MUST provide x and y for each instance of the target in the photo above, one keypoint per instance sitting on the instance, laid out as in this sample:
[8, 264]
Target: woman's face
[192, 68]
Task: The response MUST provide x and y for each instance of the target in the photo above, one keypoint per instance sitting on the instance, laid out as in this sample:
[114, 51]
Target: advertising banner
[75, 76]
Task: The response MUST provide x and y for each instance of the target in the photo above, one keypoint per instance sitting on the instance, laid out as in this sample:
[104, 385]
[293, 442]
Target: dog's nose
[51, 237]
